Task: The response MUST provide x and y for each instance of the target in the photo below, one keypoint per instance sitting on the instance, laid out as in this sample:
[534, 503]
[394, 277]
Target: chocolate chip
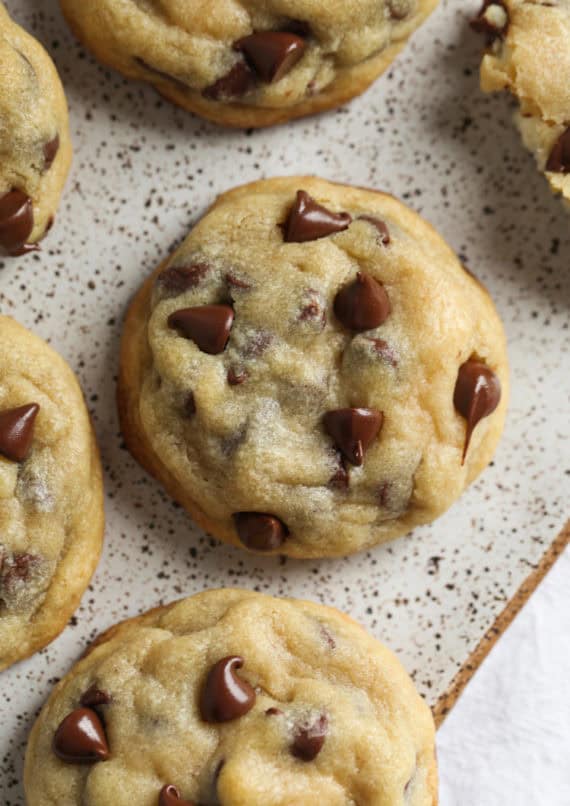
[208, 326]
[260, 532]
[237, 282]
[95, 697]
[272, 54]
[170, 796]
[237, 82]
[178, 279]
[16, 221]
[559, 159]
[50, 152]
[383, 232]
[399, 9]
[353, 431]
[17, 569]
[274, 712]
[384, 351]
[237, 376]
[313, 310]
[492, 20]
[225, 696]
[80, 738]
[309, 738]
[477, 394]
[17, 431]
[362, 304]
[298, 27]
[340, 480]
[309, 221]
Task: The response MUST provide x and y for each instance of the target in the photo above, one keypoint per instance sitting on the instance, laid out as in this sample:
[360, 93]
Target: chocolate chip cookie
[249, 62]
[313, 371]
[529, 54]
[233, 697]
[51, 508]
[35, 146]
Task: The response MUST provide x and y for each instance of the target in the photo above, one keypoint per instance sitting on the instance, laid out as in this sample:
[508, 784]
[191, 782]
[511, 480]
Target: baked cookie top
[314, 368]
[529, 54]
[265, 54]
[35, 149]
[233, 697]
[51, 511]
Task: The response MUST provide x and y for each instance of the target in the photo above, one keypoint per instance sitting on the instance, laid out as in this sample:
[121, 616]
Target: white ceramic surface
[143, 172]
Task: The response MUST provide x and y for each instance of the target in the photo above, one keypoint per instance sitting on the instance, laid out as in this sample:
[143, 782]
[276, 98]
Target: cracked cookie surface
[529, 54]
[249, 62]
[235, 698]
[35, 145]
[51, 507]
[313, 371]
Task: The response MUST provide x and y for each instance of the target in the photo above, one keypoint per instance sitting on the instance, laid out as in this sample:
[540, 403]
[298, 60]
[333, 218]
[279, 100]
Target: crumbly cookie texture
[235, 698]
[249, 62]
[313, 371]
[529, 54]
[51, 507]
[35, 145]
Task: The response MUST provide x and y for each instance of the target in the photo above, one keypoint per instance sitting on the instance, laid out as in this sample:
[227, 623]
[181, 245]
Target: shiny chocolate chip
[260, 532]
[50, 152]
[559, 159]
[178, 279]
[353, 431]
[309, 221]
[17, 431]
[477, 394]
[272, 54]
[80, 738]
[363, 304]
[380, 226]
[16, 221]
[225, 696]
[309, 738]
[208, 326]
[95, 697]
[170, 796]
[237, 82]
[492, 20]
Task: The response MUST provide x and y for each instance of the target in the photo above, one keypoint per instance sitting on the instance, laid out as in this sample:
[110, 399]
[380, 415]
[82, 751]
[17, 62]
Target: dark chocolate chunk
[178, 279]
[363, 304]
[225, 696]
[272, 54]
[17, 431]
[477, 395]
[208, 326]
[50, 152]
[309, 738]
[353, 431]
[170, 796]
[95, 697]
[383, 232]
[260, 532]
[237, 82]
[484, 25]
[16, 221]
[309, 221]
[559, 159]
[80, 738]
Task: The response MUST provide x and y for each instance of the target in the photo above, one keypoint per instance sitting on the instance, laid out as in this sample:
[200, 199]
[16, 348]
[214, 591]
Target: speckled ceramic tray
[143, 172]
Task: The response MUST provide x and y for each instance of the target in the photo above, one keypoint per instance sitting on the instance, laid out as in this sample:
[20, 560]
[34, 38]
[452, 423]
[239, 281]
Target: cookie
[35, 145]
[249, 63]
[529, 54]
[51, 504]
[313, 371]
[233, 697]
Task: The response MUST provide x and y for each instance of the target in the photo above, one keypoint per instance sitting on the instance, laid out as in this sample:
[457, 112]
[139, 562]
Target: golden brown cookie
[249, 63]
[312, 372]
[51, 502]
[35, 145]
[236, 698]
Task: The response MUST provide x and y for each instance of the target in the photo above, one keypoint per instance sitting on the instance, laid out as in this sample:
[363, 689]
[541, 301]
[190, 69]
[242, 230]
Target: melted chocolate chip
[260, 532]
[178, 279]
[309, 739]
[353, 431]
[208, 326]
[80, 738]
[309, 221]
[170, 796]
[16, 221]
[362, 304]
[17, 431]
[237, 282]
[95, 697]
[484, 24]
[50, 152]
[272, 54]
[559, 159]
[17, 569]
[225, 696]
[383, 232]
[237, 82]
[340, 480]
[477, 395]
[237, 376]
